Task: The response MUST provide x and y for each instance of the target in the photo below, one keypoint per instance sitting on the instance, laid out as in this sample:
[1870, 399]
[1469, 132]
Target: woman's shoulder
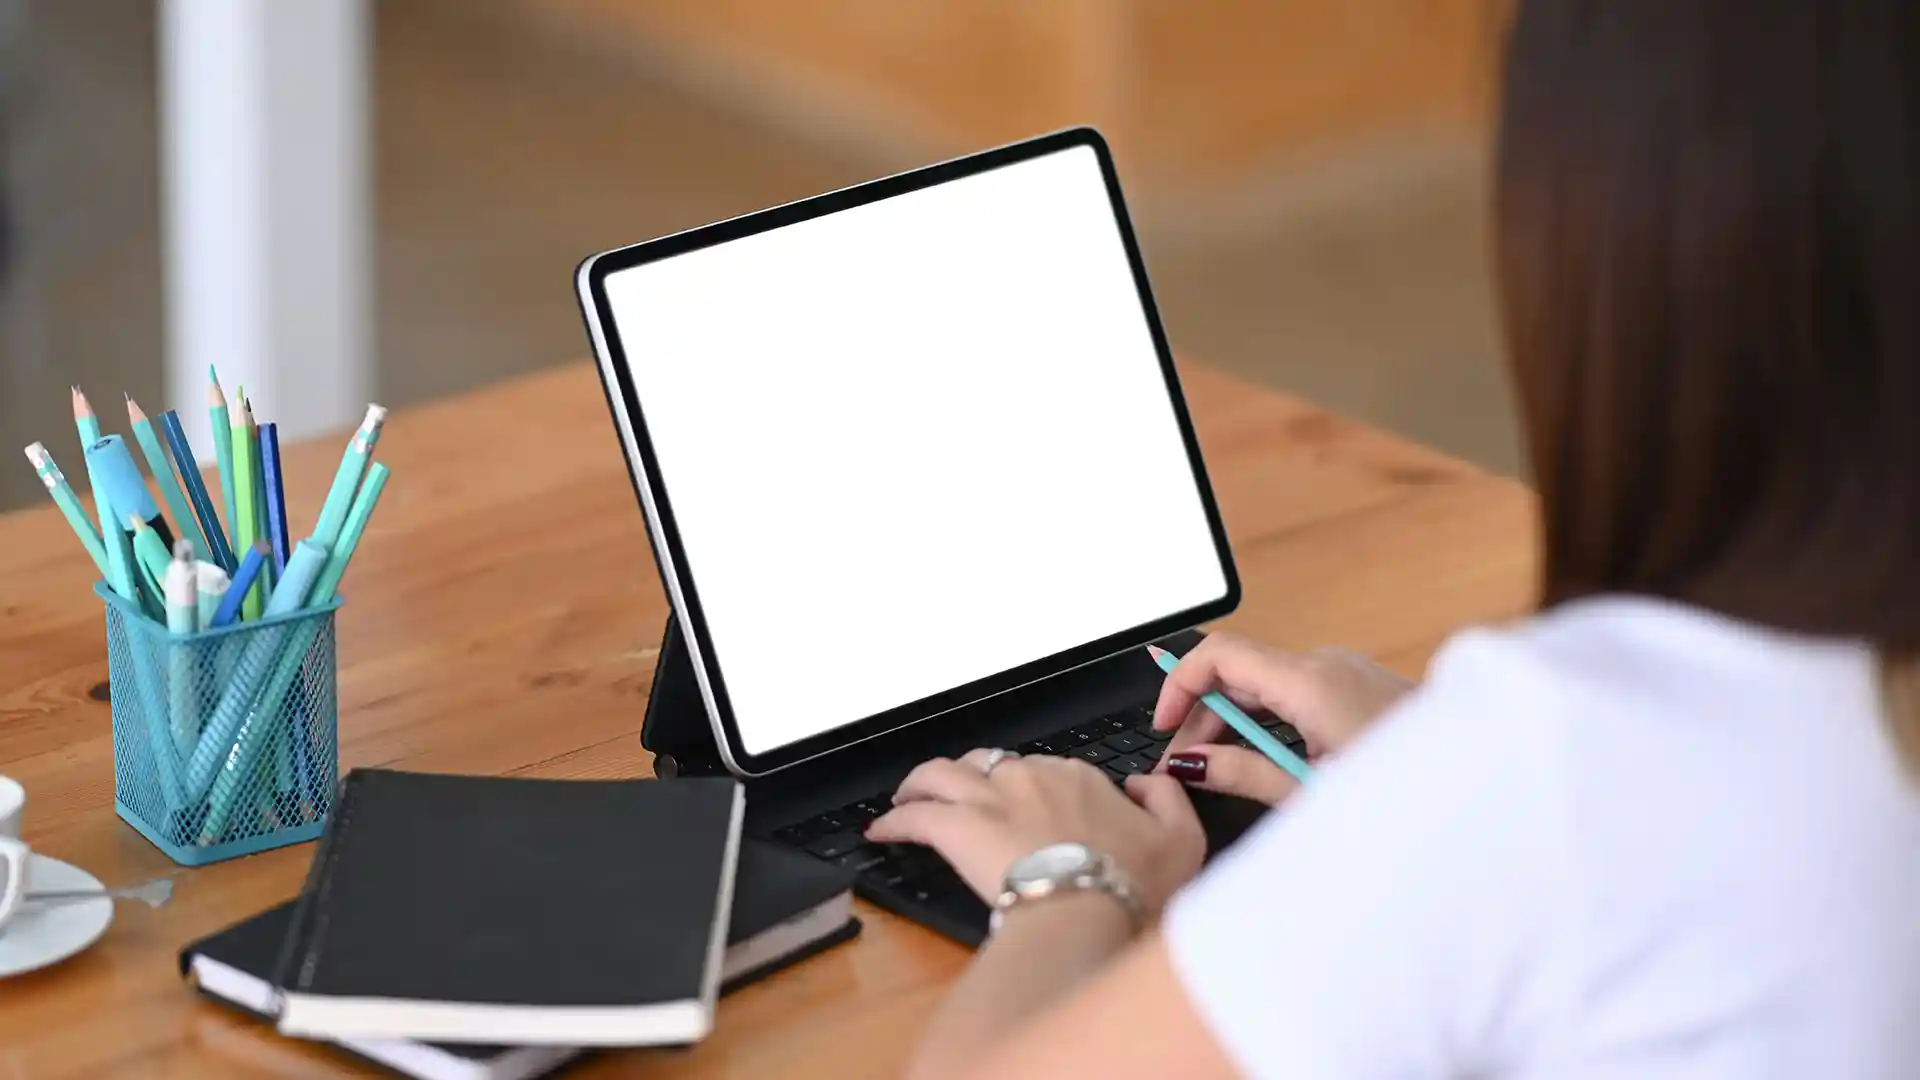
[1635, 662]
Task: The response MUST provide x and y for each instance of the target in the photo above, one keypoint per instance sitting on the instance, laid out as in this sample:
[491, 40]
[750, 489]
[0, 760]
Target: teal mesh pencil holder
[225, 742]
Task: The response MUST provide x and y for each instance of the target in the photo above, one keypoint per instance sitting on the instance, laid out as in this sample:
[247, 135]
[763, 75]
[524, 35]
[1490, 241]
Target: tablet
[907, 445]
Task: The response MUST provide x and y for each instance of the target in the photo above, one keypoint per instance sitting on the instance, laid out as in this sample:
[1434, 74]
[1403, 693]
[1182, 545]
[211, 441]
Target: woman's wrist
[1093, 914]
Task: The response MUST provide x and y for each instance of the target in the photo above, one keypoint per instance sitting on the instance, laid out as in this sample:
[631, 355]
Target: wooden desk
[503, 618]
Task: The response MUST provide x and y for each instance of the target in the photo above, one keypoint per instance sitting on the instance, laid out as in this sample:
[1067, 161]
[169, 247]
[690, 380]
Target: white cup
[13, 853]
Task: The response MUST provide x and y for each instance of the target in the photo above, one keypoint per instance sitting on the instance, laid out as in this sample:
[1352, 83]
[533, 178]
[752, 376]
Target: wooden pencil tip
[134, 412]
[1156, 651]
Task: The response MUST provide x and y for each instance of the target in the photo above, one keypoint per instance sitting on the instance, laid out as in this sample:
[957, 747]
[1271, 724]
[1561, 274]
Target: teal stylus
[1263, 741]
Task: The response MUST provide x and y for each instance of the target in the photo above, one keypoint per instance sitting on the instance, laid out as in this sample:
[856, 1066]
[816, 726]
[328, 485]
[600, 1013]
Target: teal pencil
[150, 704]
[346, 480]
[69, 505]
[239, 740]
[245, 724]
[84, 420]
[178, 508]
[1275, 750]
[150, 552]
[223, 460]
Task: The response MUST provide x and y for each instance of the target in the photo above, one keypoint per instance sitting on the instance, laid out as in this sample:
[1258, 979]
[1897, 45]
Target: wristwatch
[1060, 868]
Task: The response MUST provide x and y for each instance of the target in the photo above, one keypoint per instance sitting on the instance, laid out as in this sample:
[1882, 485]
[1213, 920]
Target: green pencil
[157, 464]
[223, 455]
[246, 515]
[69, 505]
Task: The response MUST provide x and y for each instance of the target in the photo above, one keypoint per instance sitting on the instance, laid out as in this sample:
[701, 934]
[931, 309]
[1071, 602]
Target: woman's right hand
[1330, 694]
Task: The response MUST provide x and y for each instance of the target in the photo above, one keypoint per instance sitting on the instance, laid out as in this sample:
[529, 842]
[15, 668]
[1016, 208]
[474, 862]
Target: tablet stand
[675, 727]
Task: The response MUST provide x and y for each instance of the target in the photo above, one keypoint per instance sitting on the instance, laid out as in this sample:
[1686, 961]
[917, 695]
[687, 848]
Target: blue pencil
[251, 564]
[276, 497]
[1275, 750]
[190, 479]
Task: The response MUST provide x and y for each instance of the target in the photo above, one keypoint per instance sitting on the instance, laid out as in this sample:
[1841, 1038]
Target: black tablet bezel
[651, 487]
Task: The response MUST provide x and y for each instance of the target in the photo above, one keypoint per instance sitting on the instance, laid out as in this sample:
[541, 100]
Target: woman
[1667, 827]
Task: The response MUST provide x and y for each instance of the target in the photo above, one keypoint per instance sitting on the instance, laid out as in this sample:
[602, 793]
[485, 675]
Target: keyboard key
[1115, 773]
[1094, 753]
[855, 814]
[1135, 764]
[912, 860]
[1093, 732]
[837, 844]
[861, 858]
[1036, 746]
[800, 835]
[832, 822]
[882, 875]
[876, 804]
[1068, 739]
[1116, 723]
[933, 887]
[1128, 741]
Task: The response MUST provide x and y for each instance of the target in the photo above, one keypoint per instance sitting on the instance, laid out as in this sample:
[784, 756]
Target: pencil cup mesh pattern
[224, 741]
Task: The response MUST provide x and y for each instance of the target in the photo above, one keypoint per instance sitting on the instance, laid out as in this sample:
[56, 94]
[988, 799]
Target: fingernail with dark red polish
[1187, 768]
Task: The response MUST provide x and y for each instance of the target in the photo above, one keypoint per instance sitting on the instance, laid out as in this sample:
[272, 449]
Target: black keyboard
[913, 881]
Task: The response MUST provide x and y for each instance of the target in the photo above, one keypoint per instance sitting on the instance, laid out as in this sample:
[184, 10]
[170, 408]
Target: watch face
[1053, 863]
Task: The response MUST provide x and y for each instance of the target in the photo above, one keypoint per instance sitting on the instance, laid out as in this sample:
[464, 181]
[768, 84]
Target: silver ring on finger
[993, 759]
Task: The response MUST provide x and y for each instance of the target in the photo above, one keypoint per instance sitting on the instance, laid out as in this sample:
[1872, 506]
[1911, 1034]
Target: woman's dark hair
[1708, 219]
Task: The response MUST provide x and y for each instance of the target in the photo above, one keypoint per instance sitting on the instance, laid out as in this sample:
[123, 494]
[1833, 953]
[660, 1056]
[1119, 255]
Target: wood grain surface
[502, 616]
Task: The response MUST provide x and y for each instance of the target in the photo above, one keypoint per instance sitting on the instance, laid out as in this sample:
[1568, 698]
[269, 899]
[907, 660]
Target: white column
[267, 208]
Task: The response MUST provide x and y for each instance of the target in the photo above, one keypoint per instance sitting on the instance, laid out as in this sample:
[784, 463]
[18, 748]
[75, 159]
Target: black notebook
[787, 907]
[504, 910]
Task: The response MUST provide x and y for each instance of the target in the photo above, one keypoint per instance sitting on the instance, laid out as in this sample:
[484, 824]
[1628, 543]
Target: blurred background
[1308, 177]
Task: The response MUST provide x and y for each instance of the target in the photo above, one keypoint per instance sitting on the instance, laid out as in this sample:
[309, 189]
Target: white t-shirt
[1623, 840]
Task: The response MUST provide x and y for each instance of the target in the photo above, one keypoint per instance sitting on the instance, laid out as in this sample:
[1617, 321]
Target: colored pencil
[1275, 750]
[162, 472]
[188, 466]
[244, 581]
[275, 495]
[84, 420]
[269, 573]
[328, 583]
[223, 461]
[69, 504]
[346, 480]
[145, 683]
[152, 556]
[246, 517]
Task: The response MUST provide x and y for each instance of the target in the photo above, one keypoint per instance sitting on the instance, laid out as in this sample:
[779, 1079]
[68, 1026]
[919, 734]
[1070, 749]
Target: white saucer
[37, 936]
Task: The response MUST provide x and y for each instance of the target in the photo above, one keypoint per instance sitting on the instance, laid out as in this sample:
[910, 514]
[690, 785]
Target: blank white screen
[914, 444]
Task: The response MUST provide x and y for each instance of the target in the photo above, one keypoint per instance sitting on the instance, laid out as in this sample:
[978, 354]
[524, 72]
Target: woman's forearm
[1042, 951]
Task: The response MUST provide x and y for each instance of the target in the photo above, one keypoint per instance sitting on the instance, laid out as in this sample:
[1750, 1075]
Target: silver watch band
[1104, 877]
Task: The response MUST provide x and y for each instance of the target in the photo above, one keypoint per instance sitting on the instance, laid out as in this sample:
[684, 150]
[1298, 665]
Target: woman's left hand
[982, 822]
